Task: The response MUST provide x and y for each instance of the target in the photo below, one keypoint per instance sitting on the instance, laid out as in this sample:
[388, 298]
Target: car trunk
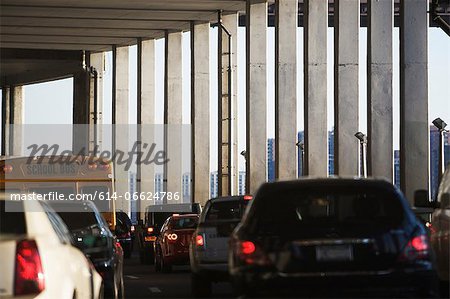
[216, 237]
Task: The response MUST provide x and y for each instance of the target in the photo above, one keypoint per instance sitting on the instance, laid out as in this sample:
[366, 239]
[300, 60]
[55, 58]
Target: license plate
[334, 253]
[149, 239]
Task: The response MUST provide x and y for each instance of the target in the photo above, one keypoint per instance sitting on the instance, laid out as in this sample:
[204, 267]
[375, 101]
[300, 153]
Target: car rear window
[352, 209]
[225, 210]
[12, 222]
[184, 223]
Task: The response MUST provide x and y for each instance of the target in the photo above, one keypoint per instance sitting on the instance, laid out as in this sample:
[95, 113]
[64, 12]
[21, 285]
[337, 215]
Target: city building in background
[186, 187]
[270, 159]
[241, 182]
[214, 184]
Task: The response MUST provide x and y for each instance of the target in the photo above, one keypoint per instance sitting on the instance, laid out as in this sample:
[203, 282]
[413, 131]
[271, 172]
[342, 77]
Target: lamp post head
[244, 154]
[361, 137]
[301, 145]
[440, 124]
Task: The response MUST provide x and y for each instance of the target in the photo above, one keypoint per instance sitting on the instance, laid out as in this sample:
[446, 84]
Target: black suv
[91, 235]
[347, 236]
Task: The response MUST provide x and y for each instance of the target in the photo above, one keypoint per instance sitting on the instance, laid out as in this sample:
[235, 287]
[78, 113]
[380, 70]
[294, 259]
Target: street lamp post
[440, 124]
[301, 146]
[244, 154]
[362, 147]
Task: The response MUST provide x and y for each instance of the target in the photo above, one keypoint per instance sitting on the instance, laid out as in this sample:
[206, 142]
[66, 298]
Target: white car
[37, 258]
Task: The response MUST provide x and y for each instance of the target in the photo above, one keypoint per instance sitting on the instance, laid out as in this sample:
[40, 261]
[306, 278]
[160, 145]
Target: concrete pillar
[379, 89]
[147, 94]
[200, 102]
[286, 89]
[414, 125]
[230, 22]
[16, 120]
[315, 157]
[173, 111]
[256, 93]
[346, 78]
[81, 112]
[5, 120]
[120, 121]
[97, 61]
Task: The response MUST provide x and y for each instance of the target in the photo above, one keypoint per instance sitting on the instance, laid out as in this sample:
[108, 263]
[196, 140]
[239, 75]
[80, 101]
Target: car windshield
[76, 216]
[184, 222]
[225, 210]
[339, 208]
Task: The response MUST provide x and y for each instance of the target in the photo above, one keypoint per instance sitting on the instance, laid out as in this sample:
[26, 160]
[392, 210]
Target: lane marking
[131, 276]
[154, 290]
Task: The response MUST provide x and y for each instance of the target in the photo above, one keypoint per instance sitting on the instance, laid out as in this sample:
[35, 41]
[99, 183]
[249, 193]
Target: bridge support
[5, 120]
[379, 89]
[173, 111]
[97, 61]
[315, 88]
[346, 78]
[146, 116]
[286, 89]
[230, 22]
[120, 121]
[414, 126]
[200, 102]
[256, 93]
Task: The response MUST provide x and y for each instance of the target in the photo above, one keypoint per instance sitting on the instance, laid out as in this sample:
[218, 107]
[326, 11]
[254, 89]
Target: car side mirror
[421, 199]
[445, 201]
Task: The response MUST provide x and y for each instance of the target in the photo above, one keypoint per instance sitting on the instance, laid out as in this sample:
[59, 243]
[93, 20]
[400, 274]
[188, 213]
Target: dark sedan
[91, 235]
[314, 236]
[172, 244]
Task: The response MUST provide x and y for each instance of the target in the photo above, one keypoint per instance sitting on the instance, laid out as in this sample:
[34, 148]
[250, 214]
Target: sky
[51, 102]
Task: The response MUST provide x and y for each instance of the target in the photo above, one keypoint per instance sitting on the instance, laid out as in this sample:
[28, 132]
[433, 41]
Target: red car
[172, 244]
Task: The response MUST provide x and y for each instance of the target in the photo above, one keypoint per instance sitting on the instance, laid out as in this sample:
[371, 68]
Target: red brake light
[118, 244]
[199, 241]
[150, 230]
[248, 247]
[29, 275]
[416, 249]
[248, 197]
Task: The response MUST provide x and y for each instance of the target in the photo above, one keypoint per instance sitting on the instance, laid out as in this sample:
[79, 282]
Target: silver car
[209, 246]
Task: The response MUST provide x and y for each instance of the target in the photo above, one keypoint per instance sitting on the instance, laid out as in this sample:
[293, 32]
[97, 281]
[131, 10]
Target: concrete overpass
[48, 39]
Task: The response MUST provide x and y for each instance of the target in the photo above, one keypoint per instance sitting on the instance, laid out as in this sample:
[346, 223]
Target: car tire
[200, 286]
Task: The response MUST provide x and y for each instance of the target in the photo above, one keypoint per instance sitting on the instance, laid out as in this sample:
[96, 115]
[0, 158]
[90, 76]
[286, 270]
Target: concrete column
[230, 22]
[286, 89]
[414, 125]
[147, 183]
[16, 120]
[200, 99]
[173, 111]
[379, 89]
[121, 65]
[5, 120]
[346, 78]
[315, 93]
[256, 93]
[81, 112]
[97, 61]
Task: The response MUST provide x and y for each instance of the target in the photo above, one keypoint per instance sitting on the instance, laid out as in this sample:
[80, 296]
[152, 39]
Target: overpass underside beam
[256, 94]
[315, 88]
[414, 128]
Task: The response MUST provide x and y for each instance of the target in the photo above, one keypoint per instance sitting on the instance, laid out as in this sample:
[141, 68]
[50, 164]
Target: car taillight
[251, 254]
[416, 249]
[172, 237]
[248, 197]
[132, 229]
[150, 230]
[199, 241]
[29, 275]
